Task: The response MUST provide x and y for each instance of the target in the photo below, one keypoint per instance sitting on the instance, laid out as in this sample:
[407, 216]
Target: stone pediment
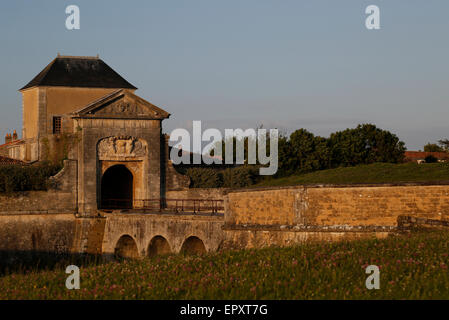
[125, 108]
[122, 104]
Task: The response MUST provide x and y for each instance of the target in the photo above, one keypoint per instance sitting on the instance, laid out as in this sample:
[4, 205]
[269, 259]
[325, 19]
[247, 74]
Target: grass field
[411, 266]
[372, 173]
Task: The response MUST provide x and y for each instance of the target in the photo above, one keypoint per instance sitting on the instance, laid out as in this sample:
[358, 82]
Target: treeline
[441, 146]
[303, 152]
[238, 177]
[14, 178]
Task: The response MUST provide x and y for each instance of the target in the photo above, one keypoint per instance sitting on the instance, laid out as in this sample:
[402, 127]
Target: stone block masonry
[39, 232]
[287, 215]
[330, 206]
[253, 218]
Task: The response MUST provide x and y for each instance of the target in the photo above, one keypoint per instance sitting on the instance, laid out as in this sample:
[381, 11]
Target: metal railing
[116, 203]
[172, 205]
[195, 205]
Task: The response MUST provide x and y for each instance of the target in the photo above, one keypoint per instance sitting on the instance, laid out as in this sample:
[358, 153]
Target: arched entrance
[117, 188]
[158, 246]
[193, 245]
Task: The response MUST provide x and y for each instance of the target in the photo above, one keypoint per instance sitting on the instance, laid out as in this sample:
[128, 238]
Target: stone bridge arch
[193, 245]
[150, 231]
[158, 245]
[126, 247]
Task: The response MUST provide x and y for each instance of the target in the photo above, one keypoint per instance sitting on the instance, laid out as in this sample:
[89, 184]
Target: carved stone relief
[122, 146]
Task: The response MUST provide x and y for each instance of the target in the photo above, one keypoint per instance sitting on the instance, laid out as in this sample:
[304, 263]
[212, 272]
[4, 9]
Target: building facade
[80, 109]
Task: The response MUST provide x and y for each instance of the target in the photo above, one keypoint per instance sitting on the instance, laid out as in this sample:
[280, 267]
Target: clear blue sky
[240, 63]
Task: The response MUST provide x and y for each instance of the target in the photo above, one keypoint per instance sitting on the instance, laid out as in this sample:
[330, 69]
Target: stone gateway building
[80, 109]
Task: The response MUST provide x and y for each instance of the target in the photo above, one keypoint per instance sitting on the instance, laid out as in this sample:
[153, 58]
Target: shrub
[14, 178]
[237, 177]
[433, 147]
[430, 159]
[204, 178]
[240, 177]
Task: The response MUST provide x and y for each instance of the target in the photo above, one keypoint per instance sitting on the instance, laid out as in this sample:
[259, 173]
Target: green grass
[372, 173]
[411, 267]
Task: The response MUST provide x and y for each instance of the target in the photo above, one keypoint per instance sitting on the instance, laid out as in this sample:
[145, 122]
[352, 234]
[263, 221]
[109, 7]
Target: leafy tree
[240, 177]
[302, 152]
[444, 143]
[365, 144]
[433, 147]
[204, 178]
[234, 141]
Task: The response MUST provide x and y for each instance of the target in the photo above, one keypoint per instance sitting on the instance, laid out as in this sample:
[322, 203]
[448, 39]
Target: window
[56, 125]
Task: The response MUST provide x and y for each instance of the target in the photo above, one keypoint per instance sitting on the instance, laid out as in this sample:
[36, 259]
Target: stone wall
[336, 205]
[60, 198]
[39, 232]
[257, 238]
[89, 233]
[379, 206]
[142, 228]
[253, 218]
[263, 207]
[285, 215]
[406, 223]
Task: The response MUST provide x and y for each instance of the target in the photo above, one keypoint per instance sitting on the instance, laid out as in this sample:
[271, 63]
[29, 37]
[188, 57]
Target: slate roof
[85, 72]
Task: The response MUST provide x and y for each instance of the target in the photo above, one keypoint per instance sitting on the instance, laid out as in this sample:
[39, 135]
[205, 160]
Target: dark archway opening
[117, 188]
[193, 245]
[158, 246]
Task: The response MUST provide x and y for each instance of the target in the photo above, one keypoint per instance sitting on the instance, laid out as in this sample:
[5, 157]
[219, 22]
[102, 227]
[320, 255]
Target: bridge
[136, 234]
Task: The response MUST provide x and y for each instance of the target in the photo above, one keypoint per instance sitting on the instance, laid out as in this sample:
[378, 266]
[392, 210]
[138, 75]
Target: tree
[302, 152]
[433, 147]
[444, 143]
[365, 144]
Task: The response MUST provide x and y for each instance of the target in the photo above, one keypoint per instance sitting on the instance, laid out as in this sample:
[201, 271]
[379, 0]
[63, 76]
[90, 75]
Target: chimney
[8, 138]
[14, 136]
